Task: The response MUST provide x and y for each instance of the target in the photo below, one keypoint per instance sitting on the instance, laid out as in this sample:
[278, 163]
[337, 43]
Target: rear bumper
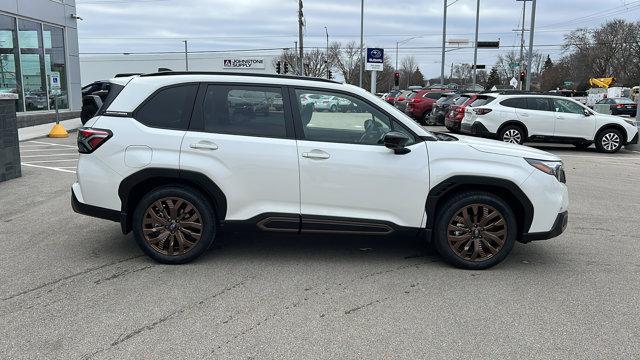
[558, 228]
[477, 129]
[94, 211]
[452, 124]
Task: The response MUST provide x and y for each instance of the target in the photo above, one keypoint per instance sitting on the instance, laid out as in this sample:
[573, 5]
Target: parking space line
[49, 161]
[54, 144]
[35, 150]
[49, 155]
[49, 167]
[67, 167]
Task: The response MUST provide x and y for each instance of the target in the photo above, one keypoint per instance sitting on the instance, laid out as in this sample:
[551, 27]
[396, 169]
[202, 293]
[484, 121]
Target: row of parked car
[518, 117]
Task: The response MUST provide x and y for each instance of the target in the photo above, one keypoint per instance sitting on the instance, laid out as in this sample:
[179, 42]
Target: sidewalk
[38, 131]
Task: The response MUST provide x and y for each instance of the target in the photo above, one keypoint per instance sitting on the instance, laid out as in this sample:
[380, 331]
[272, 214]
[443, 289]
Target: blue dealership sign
[375, 59]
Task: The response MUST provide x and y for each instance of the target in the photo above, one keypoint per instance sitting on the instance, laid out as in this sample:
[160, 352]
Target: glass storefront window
[9, 78]
[54, 63]
[32, 65]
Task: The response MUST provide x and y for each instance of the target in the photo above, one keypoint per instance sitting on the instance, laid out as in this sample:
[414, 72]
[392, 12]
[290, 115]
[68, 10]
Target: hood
[503, 148]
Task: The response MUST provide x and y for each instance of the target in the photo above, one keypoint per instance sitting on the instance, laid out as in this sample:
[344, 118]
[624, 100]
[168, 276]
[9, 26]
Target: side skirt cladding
[133, 188]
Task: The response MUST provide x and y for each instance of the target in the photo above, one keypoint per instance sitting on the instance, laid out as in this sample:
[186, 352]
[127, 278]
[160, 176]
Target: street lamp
[444, 37]
[398, 43]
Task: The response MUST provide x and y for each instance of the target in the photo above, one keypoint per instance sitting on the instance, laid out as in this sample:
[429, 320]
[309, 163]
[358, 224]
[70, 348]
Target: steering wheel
[372, 132]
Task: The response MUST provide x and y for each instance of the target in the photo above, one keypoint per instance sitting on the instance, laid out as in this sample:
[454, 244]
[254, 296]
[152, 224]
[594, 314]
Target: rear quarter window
[517, 102]
[168, 108]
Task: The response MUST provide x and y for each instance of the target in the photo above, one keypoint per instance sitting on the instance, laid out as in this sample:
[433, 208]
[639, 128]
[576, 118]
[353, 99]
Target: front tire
[174, 224]
[475, 230]
[512, 134]
[609, 141]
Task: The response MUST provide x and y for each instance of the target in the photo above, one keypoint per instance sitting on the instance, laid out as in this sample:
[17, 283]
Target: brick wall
[9, 146]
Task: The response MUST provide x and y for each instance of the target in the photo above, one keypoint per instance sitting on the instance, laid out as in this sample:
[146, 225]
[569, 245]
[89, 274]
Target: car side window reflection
[566, 106]
[335, 117]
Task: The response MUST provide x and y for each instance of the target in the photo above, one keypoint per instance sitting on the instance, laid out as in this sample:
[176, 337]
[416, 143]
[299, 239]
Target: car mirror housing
[587, 112]
[396, 141]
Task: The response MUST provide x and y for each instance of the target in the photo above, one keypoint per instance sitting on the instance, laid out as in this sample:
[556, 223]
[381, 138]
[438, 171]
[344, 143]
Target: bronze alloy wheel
[477, 232]
[172, 226]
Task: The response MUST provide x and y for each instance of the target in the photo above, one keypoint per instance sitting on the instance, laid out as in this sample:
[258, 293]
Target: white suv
[176, 158]
[518, 118]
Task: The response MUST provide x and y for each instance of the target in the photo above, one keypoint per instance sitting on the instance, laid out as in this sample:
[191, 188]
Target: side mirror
[587, 112]
[396, 141]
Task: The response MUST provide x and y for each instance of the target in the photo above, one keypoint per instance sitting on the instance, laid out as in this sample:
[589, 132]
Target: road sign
[514, 65]
[513, 82]
[568, 83]
[479, 67]
[54, 80]
[375, 59]
[488, 44]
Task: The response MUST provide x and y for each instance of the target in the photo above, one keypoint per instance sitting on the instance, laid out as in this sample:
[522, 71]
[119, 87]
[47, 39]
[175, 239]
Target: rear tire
[512, 134]
[475, 230]
[609, 140]
[174, 224]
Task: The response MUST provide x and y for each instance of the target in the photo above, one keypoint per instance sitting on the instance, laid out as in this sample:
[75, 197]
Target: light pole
[444, 38]
[475, 46]
[533, 24]
[361, 39]
[186, 56]
[327, 54]
[402, 42]
[301, 49]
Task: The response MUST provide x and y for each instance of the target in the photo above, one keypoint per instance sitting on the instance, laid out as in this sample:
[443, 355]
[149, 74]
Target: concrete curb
[39, 131]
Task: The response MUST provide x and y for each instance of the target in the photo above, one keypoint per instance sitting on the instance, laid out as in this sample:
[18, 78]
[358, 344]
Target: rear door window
[516, 102]
[539, 104]
[433, 95]
[168, 108]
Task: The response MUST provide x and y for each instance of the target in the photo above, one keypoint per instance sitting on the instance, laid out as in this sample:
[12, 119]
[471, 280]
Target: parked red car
[420, 105]
[455, 113]
[391, 96]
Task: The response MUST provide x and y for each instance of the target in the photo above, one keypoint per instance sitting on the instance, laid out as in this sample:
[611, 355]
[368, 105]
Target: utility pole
[327, 55]
[300, 40]
[397, 47]
[444, 39]
[361, 40]
[533, 23]
[475, 46]
[186, 56]
[524, 11]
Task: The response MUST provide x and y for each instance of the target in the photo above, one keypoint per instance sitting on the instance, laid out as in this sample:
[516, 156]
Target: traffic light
[523, 75]
[330, 74]
[278, 68]
[396, 78]
[286, 68]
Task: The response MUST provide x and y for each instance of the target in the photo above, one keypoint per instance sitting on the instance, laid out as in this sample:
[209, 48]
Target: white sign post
[375, 63]
[54, 87]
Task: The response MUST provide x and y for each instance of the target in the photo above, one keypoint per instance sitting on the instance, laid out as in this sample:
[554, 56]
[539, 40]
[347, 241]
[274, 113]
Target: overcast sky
[117, 26]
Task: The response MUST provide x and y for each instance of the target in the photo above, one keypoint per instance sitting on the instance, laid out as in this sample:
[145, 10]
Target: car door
[251, 155]
[538, 116]
[571, 121]
[349, 181]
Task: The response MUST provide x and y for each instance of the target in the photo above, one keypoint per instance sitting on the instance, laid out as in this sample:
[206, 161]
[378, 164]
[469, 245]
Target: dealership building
[101, 67]
[39, 58]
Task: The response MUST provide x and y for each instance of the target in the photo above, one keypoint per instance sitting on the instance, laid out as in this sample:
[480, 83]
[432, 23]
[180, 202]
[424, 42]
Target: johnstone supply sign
[375, 59]
[244, 63]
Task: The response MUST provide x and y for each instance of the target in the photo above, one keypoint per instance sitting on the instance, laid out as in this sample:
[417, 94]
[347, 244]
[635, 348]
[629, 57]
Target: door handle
[524, 115]
[204, 145]
[316, 154]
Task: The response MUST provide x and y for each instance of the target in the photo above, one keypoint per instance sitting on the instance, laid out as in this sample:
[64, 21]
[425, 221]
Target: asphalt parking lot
[75, 287]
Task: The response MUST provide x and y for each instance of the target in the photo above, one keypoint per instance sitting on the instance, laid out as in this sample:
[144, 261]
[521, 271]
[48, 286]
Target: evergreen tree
[494, 78]
[548, 64]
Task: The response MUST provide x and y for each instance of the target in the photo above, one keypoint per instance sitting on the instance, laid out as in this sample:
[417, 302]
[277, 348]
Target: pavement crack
[53, 282]
[122, 273]
[124, 337]
[360, 307]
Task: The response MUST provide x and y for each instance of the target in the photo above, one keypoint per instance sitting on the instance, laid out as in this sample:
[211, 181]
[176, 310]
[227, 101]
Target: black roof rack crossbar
[275, 76]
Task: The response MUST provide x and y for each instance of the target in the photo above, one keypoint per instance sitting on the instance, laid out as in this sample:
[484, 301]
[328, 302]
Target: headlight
[553, 168]
[631, 122]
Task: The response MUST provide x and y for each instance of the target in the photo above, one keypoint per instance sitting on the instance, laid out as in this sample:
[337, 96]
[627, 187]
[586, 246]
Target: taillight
[90, 139]
[620, 106]
[481, 111]
[460, 109]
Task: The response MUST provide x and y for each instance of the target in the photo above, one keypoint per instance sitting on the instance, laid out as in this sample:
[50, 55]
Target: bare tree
[315, 64]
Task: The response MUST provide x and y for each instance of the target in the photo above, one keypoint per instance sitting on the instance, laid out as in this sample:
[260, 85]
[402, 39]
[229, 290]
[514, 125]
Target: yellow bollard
[58, 131]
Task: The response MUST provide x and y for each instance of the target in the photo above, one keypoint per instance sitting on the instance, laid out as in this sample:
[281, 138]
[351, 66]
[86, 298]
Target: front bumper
[635, 139]
[558, 228]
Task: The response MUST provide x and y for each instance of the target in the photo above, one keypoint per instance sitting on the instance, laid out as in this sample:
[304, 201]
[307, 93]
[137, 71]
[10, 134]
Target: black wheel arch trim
[614, 126]
[457, 183]
[134, 186]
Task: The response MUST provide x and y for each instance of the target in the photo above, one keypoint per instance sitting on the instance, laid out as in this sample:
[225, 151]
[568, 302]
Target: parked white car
[170, 158]
[519, 118]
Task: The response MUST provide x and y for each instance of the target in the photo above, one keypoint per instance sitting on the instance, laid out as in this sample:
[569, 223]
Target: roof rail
[513, 92]
[275, 76]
